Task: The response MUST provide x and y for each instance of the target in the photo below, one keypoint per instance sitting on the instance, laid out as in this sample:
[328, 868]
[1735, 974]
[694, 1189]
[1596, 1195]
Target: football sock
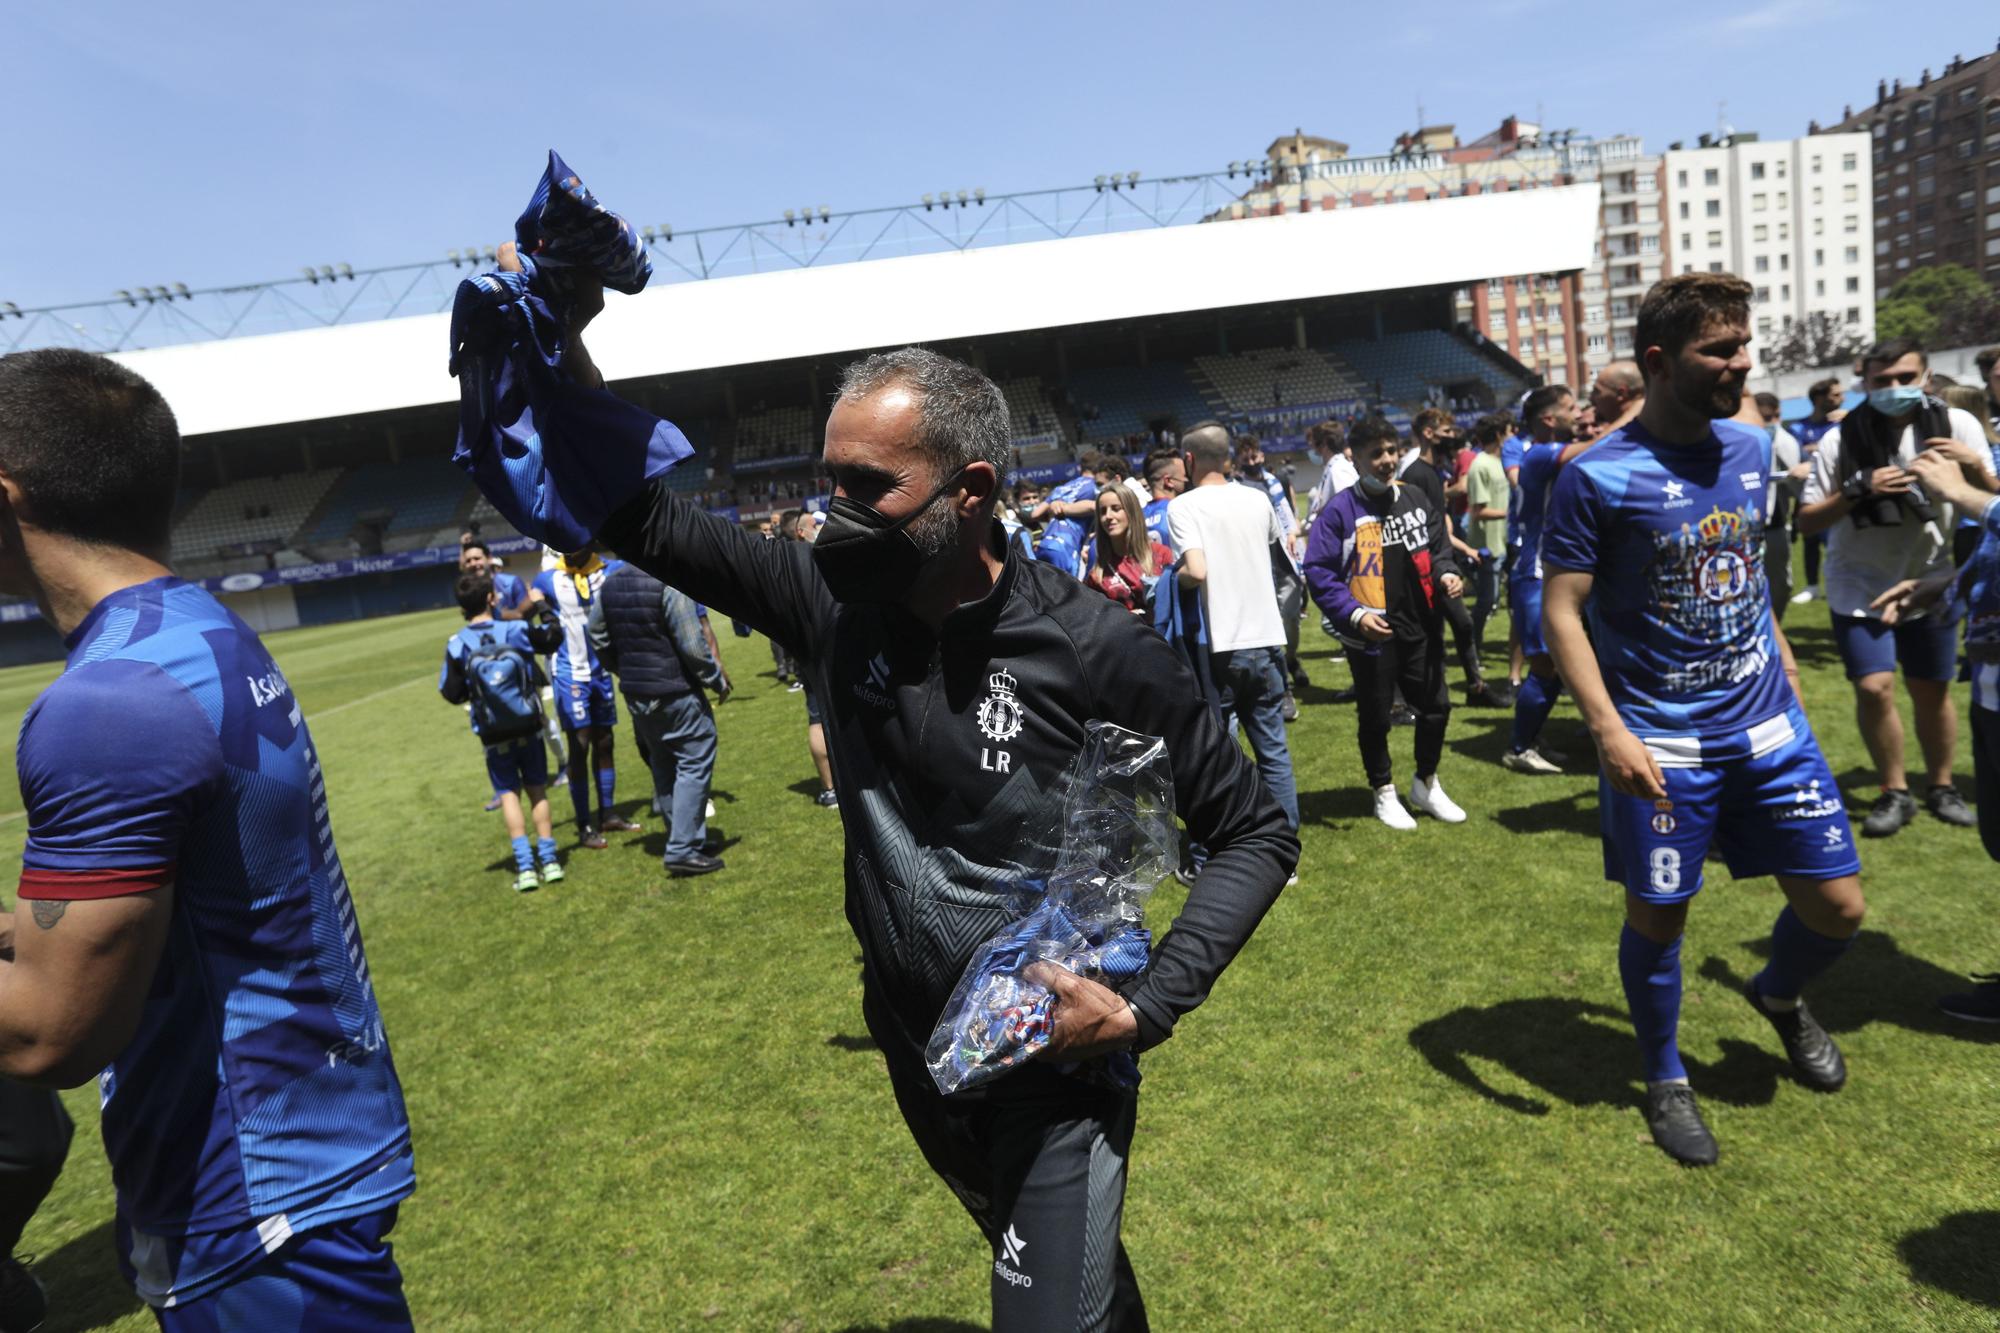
[1532, 705]
[579, 791]
[607, 783]
[1652, 976]
[1798, 954]
[548, 851]
[524, 856]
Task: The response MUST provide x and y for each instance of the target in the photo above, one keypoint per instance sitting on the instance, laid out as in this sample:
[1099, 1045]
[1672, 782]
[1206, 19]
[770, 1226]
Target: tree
[1945, 305]
[1818, 340]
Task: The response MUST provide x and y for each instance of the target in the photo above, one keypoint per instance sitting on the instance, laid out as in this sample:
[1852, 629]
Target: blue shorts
[1765, 799]
[1926, 648]
[585, 703]
[339, 1278]
[516, 765]
[1524, 604]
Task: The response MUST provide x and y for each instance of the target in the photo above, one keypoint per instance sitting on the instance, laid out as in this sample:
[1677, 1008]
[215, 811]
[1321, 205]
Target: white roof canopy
[356, 369]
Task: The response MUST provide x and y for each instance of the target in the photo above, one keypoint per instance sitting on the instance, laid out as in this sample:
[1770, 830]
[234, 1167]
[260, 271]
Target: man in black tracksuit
[955, 680]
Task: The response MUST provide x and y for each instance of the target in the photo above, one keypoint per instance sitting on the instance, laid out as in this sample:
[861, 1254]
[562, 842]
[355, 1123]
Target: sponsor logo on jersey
[1000, 716]
[875, 690]
[1836, 837]
[1011, 1245]
[269, 687]
[1676, 496]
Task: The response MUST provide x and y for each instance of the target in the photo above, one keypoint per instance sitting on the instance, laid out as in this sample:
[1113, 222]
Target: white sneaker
[1802, 596]
[1390, 810]
[1528, 761]
[709, 812]
[1429, 797]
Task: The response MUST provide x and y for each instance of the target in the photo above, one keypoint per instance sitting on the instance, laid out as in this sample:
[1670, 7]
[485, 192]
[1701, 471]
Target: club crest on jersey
[1724, 577]
[1000, 716]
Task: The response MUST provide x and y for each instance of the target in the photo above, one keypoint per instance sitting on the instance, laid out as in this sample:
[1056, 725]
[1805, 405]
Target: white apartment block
[1794, 217]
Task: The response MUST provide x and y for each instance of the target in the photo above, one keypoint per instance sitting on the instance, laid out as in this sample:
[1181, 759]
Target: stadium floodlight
[666, 232]
[979, 195]
[1131, 179]
[326, 272]
[347, 271]
[927, 203]
[124, 296]
[1100, 185]
[961, 199]
[647, 232]
[9, 308]
[825, 213]
[452, 255]
[1232, 169]
[492, 255]
[181, 290]
[790, 217]
[312, 275]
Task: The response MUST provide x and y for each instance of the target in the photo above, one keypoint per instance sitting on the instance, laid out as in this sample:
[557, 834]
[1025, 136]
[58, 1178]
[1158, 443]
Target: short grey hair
[961, 414]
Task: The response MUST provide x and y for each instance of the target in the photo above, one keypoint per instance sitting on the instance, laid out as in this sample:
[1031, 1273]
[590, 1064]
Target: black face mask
[1372, 486]
[865, 557]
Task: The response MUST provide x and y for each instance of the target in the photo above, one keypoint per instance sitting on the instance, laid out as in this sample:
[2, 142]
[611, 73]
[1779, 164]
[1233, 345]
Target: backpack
[501, 683]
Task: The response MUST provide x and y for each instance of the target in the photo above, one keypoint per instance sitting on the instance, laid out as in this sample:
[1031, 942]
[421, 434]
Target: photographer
[1882, 528]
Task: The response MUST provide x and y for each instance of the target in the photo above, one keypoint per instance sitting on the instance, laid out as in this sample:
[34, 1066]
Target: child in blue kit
[490, 665]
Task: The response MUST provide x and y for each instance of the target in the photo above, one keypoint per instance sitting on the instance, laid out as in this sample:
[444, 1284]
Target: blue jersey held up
[1681, 613]
[257, 1097]
[1539, 463]
[1063, 539]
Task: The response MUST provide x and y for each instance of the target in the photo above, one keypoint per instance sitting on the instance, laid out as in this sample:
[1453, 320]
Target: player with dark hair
[1166, 477]
[1691, 695]
[1549, 418]
[510, 591]
[1065, 517]
[185, 933]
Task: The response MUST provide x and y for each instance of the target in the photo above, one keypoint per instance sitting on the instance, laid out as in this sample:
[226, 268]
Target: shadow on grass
[918, 1326]
[1957, 1255]
[1876, 982]
[841, 1041]
[1812, 639]
[1336, 803]
[1576, 1052]
[1575, 812]
[86, 1290]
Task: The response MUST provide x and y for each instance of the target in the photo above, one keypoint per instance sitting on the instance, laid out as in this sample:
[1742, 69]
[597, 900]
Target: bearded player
[1691, 693]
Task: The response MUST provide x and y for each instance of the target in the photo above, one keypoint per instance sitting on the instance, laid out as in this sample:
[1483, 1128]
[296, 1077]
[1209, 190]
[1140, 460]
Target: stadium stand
[1031, 416]
[253, 512]
[1124, 400]
[419, 496]
[1410, 366]
[1275, 377]
[778, 432]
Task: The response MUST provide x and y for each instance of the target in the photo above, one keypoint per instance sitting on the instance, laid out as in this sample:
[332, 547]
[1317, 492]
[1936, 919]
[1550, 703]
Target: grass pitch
[646, 1104]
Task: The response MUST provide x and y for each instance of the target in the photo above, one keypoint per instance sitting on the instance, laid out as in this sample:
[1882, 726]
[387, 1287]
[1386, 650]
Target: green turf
[641, 1104]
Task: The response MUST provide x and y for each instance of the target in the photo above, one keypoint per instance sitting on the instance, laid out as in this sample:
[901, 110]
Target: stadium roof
[351, 370]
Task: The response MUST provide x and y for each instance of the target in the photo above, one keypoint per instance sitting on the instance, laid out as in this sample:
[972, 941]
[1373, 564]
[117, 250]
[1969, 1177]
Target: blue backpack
[501, 682]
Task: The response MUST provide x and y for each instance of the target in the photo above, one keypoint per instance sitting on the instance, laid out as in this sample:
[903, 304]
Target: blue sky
[212, 143]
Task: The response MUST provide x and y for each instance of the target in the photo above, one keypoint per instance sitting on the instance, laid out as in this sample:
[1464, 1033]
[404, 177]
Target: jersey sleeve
[107, 808]
[1824, 480]
[1572, 527]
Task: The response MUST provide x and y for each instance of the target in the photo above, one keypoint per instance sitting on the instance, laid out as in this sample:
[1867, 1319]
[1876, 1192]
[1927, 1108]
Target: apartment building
[1795, 217]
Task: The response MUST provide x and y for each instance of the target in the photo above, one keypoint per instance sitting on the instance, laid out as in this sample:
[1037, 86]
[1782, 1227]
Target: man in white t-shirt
[1224, 535]
[1883, 528]
[1328, 442]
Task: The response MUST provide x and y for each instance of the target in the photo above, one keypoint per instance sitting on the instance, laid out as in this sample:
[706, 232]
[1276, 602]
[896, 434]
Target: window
[1713, 208]
[1993, 193]
[1760, 232]
[1815, 166]
[1758, 203]
[1714, 240]
[1854, 314]
[1852, 254]
[1848, 160]
[1681, 179]
[1649, 244]
[1763, 293]
[1496, 288]
[1819, 258]
[1784, 231]
[1899, 145]
[1761, 264]
[1925, 161]
[1881, 247]
[1854, 284]
[1965, 147]
[1878, 129]
[1596, 342]
[1496, 324]
[1756, 171]
[1593, 314]
[1687, 238]
[1784, 199]
[1784, 263]
[1819, 226]
[1715, 266]
[1781, 171]
[1819, 286]
[1818, 195]
[1926, 186]
[1711, 177]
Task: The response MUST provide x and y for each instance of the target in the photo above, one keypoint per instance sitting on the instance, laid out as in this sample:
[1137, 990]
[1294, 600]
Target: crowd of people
[185, 927]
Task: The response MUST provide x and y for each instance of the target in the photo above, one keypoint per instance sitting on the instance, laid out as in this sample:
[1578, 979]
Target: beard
[935, 531]
[1722, 401]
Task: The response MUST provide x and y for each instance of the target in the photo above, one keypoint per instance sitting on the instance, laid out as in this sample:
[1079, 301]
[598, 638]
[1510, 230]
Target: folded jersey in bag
[554, 457]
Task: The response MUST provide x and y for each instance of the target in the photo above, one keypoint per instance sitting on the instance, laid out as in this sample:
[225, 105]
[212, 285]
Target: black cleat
[1677, 1126]
[1814, 1057]
[591, 838]
[1890, 811]
[23, 1303]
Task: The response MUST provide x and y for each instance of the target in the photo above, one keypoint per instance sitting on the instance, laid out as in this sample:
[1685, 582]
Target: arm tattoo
[48, 911]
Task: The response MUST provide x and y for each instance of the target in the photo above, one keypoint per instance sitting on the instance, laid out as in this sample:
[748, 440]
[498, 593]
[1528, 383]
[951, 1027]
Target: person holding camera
[1884, 526]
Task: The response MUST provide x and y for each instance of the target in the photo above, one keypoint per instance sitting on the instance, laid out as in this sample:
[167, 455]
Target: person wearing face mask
[955, 681]
[1690, 692]
[1380, 564]
[1883, 527]
[1548, 417]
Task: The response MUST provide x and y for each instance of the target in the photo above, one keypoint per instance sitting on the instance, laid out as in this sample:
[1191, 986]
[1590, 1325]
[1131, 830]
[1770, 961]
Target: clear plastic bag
[1117, 842]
